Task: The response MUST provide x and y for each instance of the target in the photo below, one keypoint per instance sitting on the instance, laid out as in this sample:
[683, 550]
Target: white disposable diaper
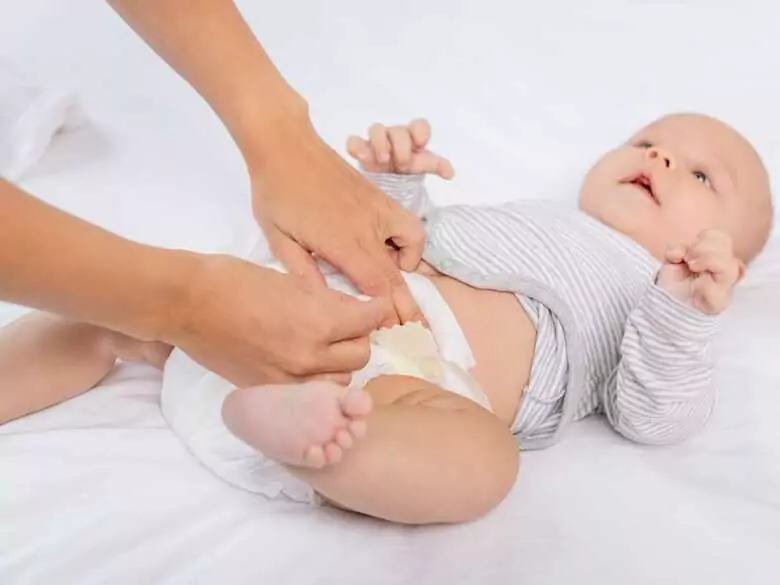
[192, 396]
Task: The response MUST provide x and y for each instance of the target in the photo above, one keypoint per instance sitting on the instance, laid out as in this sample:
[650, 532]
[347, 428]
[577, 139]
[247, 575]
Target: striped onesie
[608, 340]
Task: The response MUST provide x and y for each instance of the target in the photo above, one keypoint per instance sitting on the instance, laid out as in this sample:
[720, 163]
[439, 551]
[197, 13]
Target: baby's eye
[702, 178]
[644, 144]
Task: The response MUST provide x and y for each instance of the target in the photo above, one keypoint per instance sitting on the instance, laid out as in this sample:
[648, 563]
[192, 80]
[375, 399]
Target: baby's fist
[704, 274]
[399, 149]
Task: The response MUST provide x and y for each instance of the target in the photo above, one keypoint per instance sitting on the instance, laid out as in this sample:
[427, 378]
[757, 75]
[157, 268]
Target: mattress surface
[522, 98]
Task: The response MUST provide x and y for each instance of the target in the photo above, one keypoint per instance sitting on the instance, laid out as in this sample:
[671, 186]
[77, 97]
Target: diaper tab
[410, 350]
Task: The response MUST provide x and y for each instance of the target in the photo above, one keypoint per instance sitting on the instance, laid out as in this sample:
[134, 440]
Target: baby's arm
[430, 456]
[45, 359]
[662, 392]
[396, 159]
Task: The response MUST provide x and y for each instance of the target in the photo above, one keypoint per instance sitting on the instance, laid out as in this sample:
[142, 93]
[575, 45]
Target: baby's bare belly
[500, 334]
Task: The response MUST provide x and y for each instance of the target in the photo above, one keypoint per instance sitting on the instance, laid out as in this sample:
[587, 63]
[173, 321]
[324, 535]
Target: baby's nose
[655, 153]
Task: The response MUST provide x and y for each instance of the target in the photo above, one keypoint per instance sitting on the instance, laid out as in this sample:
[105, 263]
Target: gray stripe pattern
[608, 340]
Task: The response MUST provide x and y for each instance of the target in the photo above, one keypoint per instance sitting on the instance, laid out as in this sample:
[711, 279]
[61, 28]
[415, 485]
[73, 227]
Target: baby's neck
[654, 254]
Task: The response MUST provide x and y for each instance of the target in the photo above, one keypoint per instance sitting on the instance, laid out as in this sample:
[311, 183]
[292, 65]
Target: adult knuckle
[328, 330]
[374, 284]
[302, 364]
[320, 324]
[292, 366]
[415, 231]
[393, 277]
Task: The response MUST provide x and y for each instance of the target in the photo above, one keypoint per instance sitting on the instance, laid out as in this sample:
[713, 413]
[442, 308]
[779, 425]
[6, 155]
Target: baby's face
[677, 177]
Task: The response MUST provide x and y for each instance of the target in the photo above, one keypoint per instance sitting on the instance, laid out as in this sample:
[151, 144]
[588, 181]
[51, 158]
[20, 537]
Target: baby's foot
[133, 350]
[304, 425]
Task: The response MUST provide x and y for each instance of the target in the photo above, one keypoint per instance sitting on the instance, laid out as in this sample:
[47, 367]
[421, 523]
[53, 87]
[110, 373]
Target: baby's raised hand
[399, 149]
[704, 274]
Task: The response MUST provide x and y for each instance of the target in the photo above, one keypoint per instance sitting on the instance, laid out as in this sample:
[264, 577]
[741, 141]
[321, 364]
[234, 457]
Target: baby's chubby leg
[430, 456]
[46, 359]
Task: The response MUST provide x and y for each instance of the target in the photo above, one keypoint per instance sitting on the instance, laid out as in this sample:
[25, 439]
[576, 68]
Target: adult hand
[306, 197]
[254, 325]
[310, 201]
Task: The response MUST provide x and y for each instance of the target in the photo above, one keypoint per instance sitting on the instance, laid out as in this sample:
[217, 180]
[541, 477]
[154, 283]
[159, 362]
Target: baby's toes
[333, 453]
[314, 457]
[344, 439]
[357, 428]
[356, 404]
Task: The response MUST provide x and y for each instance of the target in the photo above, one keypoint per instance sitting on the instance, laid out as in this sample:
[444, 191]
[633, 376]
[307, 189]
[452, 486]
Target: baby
[538, 315]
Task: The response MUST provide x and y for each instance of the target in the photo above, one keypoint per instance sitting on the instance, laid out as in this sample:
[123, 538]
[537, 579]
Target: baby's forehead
[690, 126]
[704, 137]
[710, 140]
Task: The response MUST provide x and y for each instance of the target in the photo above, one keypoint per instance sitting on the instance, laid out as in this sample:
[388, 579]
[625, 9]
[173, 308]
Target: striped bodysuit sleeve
[407, 190]
[662, 390]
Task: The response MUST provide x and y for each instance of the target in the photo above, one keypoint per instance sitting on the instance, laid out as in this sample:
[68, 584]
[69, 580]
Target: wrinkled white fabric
[30, 116]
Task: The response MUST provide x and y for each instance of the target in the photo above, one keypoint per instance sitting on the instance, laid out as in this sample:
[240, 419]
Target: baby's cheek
[686, 221]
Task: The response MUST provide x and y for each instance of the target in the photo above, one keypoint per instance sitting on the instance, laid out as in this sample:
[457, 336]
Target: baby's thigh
[429, 456]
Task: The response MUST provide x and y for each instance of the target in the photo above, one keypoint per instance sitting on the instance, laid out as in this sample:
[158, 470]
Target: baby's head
[677, 177]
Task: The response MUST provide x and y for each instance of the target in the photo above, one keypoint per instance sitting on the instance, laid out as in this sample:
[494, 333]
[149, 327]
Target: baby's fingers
[380, 143]
[444, 168]
[421, 133]
[709, 296]
[725, 268]
[429, 162]
[401, 144]
[675, 254]
[363, 151]
[360, 149]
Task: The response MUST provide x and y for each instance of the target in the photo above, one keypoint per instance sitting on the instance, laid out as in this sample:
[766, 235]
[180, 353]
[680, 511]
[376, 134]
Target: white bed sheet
[522, 98]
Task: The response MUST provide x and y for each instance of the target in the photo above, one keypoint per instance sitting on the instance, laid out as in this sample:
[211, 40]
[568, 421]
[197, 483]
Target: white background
[522, 97]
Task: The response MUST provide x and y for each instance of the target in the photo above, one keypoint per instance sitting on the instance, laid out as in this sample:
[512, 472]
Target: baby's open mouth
[645, 183]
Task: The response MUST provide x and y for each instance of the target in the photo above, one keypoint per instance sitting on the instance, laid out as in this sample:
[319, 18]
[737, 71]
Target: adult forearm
[54, 261]
[305, 197]
[210, 45]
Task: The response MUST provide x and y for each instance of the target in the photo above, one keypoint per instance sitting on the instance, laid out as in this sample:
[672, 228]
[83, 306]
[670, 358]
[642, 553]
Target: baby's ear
[742, 267]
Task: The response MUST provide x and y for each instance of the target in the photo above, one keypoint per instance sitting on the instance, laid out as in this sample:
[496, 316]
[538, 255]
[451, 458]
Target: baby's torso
[501, 337]
[579, 275]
